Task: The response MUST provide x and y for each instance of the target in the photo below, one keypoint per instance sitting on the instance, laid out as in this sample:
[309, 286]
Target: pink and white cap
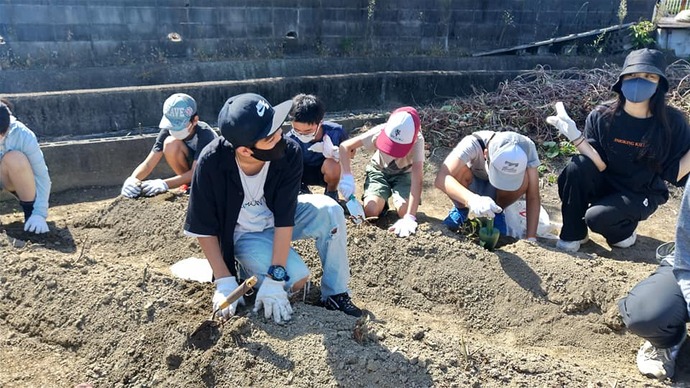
[399, 133]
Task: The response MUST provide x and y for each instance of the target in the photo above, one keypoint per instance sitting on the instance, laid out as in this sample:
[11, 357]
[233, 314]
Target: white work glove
[274, 299]
[479, 206]
[346, 186]
[131, 188]
[329, 150]
[565, 125]
[36, 224]
[404, 226]
[224, 286]
[153, 187]
[316, 147]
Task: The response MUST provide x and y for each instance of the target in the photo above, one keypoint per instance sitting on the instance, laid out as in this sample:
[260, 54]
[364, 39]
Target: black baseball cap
[644, 61]
[4, 117]
[247, 118]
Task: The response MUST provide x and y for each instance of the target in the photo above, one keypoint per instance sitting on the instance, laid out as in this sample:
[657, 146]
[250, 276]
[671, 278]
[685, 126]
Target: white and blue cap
[178, 109]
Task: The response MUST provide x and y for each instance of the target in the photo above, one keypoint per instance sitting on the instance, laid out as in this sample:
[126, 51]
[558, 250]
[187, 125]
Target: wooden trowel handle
[238, 292]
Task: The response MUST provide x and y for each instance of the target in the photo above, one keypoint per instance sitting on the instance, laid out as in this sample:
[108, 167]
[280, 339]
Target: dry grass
[524, 103]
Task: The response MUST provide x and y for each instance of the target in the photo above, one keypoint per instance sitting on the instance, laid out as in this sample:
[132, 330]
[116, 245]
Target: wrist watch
[278, 273]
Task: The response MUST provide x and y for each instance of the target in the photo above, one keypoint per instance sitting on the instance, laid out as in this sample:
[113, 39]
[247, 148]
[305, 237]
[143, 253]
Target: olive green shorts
[384, 186]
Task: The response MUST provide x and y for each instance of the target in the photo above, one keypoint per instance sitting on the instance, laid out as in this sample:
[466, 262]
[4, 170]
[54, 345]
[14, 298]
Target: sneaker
[657, 362]
[342, 302]
[571, 246]
[332, 194]
[304, 189]
[627, 243]
[500, 223]
[456, 217]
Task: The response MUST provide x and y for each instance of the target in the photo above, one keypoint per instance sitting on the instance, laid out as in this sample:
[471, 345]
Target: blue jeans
[317, 217]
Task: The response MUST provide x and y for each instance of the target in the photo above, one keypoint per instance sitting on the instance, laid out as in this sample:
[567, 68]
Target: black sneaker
[342, 302]
[304, 189]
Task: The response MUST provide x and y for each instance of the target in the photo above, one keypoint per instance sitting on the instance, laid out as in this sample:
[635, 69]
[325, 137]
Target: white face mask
[180, 134]
[304, 138]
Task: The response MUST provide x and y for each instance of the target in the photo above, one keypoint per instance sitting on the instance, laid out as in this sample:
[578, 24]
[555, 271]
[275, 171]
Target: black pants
[587, 200]
[655, 308]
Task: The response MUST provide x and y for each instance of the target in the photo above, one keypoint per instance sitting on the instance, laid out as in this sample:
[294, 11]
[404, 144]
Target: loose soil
[94, 301]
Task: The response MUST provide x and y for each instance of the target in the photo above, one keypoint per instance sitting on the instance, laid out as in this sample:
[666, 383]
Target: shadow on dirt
[644, 250]
[522, 274]
[57, 239]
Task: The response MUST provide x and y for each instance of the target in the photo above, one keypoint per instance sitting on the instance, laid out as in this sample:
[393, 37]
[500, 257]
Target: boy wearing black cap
[629, 149]
[244, 209]
[23, 170]
[180, 141]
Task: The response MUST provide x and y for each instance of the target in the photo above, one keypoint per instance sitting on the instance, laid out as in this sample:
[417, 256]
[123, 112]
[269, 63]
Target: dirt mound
[441, 312]
[149, 228]
[94, 300]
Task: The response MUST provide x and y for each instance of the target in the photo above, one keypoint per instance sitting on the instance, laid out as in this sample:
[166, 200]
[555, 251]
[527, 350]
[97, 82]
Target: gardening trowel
[356, 210]
[241, 290]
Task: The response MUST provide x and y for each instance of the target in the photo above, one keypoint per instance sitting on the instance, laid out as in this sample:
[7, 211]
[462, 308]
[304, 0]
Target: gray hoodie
[681, 262]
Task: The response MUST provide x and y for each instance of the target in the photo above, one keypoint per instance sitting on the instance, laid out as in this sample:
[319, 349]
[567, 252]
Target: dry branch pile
[524, 103]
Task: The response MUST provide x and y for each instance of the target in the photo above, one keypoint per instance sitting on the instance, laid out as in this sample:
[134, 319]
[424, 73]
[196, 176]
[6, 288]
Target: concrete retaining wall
[71, 114]
[26, 81]
[41, 34]
[118, 111]
[109, 161]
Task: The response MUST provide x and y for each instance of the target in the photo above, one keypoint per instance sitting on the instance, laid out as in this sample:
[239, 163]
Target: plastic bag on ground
[516, 221]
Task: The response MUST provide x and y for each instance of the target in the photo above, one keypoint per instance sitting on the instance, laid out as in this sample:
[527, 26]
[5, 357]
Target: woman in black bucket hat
[630, 148]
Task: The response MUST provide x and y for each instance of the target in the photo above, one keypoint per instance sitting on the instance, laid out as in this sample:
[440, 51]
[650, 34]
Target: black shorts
[312, 176]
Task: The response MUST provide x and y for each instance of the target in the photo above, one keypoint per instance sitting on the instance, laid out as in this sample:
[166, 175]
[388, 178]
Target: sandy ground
[94, 301]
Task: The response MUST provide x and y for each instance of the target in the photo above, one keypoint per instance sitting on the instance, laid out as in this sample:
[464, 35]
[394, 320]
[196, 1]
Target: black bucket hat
[644, 61]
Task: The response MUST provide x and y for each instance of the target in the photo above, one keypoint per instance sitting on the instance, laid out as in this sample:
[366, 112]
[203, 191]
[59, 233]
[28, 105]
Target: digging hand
[346, 186]
[274, 299]
[36, 224]
[131, 188]
[565, 125]
[481, 206]
[224, 287]
[153, 187]
[405, 226]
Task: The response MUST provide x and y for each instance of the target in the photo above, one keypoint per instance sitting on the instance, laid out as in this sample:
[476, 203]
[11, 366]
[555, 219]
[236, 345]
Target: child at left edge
[395, 169]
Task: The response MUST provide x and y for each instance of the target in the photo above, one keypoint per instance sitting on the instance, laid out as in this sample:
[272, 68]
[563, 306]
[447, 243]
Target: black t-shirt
[619, 140]
[216, 193]
[202, 136]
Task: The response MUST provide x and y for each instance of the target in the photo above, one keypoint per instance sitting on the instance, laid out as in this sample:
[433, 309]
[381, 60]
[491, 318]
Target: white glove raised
[329, 150]
[316, 147]
[346, 186]
[131, 188]
[36, 224]
[225, 286]
[274, 299]
[404, 226]
[565, 125]
[480, 206]
[153, 187]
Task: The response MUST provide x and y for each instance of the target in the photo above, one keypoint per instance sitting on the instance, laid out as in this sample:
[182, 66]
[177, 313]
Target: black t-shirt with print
[619, 141]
